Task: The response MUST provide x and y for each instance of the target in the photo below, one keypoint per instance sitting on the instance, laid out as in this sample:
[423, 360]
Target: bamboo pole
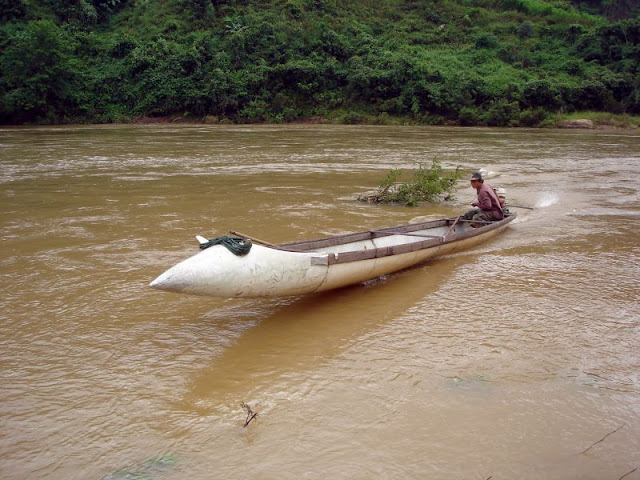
[519, 206]
[387, 233]
[253, 239]
[453, 226]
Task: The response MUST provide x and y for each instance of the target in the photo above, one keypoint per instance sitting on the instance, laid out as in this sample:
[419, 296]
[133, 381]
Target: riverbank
[577, 120]
[598, 120]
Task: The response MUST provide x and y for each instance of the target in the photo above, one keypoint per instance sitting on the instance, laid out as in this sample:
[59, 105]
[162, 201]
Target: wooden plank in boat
[358, 255]
[306, 245]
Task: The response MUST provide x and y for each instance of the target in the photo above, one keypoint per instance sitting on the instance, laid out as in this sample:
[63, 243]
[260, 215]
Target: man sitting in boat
[487, 205]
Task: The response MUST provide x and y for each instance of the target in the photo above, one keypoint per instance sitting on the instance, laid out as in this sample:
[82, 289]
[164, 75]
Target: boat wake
[547, 199]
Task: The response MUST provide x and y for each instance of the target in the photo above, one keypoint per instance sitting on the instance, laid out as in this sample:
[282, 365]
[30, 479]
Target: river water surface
[510, 361]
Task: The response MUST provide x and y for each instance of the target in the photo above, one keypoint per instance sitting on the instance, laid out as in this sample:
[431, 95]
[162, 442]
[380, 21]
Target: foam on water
[547, 199]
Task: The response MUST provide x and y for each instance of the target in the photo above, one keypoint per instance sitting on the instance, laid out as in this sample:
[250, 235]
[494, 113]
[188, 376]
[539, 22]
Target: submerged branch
[250, 414]
[602, 439]
[628, 473]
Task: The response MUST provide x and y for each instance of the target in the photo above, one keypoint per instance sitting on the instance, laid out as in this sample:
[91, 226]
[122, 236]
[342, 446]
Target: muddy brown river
[519, 359]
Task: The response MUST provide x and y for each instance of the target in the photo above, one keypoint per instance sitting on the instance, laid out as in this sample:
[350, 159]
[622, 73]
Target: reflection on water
[506, 361]
[295, 334]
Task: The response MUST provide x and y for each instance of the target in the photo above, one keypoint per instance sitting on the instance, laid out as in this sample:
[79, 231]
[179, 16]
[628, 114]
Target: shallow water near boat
[507, 360]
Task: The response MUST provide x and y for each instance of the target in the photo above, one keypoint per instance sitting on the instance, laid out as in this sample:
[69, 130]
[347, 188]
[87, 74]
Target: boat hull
[342, 275]
[325, 264]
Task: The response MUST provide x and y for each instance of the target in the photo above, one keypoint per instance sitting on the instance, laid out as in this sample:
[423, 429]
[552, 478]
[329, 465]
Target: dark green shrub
[502, 113]
[542, 93]
[37, 74]
[486, 40]
[532, 118]
[12, 10]
[575, 31]
[469, 116]
[525, 30]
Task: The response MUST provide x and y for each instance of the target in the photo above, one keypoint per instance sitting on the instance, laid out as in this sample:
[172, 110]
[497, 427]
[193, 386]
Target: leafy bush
[502, 113]
[525, 30]
[532, 118]
[425, 185]
[37, 74]
[486, 40]
[542, 93]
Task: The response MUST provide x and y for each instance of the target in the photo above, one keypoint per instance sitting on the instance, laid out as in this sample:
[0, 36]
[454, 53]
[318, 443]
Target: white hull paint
[271, 272]
[341, 275]
[264, 272]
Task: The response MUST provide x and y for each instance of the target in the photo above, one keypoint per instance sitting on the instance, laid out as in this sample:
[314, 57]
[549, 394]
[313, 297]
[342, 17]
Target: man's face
[475, 184]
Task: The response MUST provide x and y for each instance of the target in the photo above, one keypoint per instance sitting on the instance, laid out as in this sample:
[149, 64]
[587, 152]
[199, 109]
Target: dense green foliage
[467, 62]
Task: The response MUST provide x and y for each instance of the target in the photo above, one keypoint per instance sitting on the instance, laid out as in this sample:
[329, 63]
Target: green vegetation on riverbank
[459, 62]
[598, 119]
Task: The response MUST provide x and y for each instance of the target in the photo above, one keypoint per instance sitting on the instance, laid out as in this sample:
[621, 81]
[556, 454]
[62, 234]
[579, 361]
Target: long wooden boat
[324, 264]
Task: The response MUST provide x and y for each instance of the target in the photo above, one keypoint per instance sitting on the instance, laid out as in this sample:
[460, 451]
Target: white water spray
[547, 199]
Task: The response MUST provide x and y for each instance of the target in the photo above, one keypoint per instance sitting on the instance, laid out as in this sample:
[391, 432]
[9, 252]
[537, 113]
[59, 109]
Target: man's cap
[477, 176]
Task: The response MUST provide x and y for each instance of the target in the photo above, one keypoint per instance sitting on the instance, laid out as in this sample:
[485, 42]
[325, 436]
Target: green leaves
[426, 184]
[37, 75]
[477, 62]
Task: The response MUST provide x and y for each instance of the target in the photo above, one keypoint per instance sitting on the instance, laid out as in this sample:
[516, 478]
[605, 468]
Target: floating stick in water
[250, 413]
[610, 433]
[628, 473]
